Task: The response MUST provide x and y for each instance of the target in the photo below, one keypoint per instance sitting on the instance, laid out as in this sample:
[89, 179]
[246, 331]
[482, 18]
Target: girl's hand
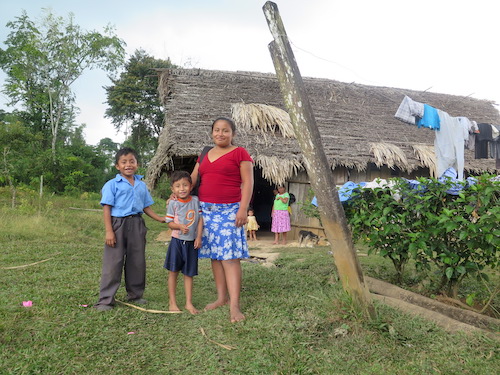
[241, 218]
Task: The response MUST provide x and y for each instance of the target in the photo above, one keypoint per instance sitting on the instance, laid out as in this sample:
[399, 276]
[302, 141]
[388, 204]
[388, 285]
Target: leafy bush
[383, 223]
[457, 233]
[309, 209]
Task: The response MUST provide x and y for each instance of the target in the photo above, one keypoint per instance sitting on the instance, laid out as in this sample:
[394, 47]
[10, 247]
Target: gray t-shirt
[184, 212]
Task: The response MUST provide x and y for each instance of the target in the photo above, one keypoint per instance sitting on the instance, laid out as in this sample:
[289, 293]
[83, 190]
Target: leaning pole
[321, 176]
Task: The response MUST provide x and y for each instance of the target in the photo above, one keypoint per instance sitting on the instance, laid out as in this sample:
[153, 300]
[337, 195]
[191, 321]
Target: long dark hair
[228, 120]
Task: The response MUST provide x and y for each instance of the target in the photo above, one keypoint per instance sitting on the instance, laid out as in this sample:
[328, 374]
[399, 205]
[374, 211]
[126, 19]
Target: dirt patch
[263, 258]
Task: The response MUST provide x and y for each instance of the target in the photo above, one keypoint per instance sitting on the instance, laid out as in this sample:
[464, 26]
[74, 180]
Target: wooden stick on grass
[215, 342]
[27, 265]
[149, 311]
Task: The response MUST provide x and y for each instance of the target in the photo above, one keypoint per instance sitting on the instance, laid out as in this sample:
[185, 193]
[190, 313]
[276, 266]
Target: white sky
[445, 46]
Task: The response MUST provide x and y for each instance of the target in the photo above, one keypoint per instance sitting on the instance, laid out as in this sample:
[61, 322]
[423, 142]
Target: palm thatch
[264, 118]
[427, 157]
[388, 154]
[356, 122]
[278, 170]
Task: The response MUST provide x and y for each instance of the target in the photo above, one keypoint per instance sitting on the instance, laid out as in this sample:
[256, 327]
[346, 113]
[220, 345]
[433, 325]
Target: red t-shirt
[221, 179]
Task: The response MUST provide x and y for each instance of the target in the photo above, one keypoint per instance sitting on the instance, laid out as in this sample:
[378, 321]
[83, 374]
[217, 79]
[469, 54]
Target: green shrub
[457, 233]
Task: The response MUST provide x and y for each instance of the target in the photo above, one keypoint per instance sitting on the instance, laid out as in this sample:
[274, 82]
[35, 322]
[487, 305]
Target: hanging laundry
[494, 131]
[449, 145]
[430, 119]
[409, 110]
[471, 128]
[495, 145]
[482, 140]
[450, 133]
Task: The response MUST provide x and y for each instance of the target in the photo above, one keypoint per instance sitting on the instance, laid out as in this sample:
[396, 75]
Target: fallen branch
[227, 347]
[147, 310]
[85, 209]
[27, 265]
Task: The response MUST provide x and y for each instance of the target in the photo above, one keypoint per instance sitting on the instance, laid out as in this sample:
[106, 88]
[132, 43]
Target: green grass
[293, 313]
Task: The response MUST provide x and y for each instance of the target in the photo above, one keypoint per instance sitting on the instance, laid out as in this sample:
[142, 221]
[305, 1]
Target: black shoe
[103, 307]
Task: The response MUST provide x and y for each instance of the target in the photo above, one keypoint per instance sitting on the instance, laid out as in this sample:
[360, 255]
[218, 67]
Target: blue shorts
[182, 256]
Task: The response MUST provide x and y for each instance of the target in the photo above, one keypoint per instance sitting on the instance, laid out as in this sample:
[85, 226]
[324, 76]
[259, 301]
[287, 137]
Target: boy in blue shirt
[124, 199]
[184, 218]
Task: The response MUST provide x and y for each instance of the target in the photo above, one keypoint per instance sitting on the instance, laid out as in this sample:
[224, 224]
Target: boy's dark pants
[129, 249]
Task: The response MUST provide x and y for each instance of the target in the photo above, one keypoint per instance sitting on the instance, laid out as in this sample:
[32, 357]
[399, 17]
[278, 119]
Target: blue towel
[430, 119]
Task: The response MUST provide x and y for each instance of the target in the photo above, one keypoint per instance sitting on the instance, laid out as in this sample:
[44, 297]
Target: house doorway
[262, 200]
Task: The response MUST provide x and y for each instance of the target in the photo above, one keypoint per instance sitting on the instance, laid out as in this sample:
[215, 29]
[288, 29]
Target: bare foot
[192, 309]
[216, 304]
[236, 315]
[275, 243]
[173, 307]
[283, 242]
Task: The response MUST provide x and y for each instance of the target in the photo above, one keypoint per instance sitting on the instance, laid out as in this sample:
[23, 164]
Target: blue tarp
[345, 191]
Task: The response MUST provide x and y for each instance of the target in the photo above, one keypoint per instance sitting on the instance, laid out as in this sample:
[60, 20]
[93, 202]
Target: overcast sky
[445, 46]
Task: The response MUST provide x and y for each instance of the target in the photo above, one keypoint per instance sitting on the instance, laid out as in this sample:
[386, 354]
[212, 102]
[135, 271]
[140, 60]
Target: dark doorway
[263, 199]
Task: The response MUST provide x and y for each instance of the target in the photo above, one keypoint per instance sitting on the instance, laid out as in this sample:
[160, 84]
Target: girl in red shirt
[226, 187]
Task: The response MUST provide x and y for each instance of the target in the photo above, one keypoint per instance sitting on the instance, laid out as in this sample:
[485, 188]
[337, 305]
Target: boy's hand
[197, 243]
[172, 197]
[183, 228]
[110, 239]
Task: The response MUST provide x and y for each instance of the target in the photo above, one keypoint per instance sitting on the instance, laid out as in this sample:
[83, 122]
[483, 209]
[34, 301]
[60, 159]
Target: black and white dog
[308, 238]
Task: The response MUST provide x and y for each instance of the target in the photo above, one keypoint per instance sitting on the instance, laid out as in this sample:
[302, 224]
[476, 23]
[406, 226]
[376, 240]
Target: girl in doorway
[252, 226]
[280, 216]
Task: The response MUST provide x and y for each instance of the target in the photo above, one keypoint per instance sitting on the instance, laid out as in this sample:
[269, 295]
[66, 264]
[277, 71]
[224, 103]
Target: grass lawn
[299, 320]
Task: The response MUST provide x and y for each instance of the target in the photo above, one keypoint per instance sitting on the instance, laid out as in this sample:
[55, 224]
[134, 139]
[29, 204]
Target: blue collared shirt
[124, 198]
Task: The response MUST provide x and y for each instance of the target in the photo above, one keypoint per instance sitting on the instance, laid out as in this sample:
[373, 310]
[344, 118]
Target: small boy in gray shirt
[185, 220]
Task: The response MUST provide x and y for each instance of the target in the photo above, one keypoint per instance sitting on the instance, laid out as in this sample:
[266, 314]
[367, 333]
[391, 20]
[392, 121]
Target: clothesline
[452, 134]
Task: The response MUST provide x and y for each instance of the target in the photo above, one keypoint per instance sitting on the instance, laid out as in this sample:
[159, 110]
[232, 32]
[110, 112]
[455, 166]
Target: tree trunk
[318, 170]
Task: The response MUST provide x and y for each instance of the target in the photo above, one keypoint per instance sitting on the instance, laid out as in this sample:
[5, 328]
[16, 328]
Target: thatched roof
[356, 122]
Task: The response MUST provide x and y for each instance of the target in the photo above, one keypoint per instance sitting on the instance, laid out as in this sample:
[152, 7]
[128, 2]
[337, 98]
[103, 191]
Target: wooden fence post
[320, 174]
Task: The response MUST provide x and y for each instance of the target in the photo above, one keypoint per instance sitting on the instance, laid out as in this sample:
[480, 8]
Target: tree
[18, 150]
[43, 60]
[108, 149]
[133, 102]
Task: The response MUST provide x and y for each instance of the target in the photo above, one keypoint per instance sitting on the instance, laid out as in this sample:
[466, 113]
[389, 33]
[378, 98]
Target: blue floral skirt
[222, 240]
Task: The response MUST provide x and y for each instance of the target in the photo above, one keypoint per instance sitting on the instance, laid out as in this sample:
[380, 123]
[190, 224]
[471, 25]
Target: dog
[308, 238]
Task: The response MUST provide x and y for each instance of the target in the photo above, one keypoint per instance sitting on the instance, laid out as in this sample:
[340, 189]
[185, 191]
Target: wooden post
[41, 186]
[320, 174]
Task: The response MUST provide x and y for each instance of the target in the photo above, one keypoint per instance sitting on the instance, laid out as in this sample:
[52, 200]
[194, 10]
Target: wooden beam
[320, 174]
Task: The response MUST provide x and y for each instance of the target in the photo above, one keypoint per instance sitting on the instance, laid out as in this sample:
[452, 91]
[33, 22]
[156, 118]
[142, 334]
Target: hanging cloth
[449, 145]
[409, 110]
[484, 136]
[430, 119]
